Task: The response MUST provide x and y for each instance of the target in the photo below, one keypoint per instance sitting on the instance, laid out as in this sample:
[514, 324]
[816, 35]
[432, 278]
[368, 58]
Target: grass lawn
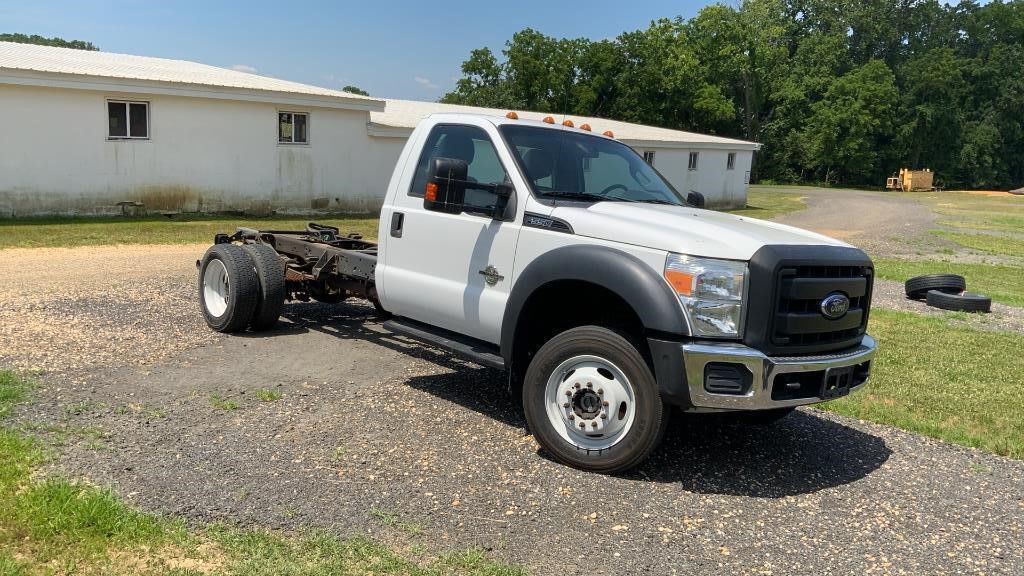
[766, 202]
[1003, 212]
[955, 383]
[57, 526]
[988, 243]
[67, 232]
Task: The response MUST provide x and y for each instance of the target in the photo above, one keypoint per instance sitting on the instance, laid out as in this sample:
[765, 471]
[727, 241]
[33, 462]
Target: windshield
[569, 164]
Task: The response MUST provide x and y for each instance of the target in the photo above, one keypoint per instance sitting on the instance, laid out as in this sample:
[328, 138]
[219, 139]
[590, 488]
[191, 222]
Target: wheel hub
[590, 402]
[216, 288]
[586, 404]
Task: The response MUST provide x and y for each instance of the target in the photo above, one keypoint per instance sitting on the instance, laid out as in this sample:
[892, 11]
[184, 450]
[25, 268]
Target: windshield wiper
[585, 196]
[656, 201]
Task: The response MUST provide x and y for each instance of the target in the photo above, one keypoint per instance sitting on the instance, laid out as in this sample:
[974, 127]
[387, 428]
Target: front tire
[591, 401]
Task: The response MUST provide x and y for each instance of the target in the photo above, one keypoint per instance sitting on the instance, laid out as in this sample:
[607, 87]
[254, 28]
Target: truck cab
[559, 256]
[553, 229]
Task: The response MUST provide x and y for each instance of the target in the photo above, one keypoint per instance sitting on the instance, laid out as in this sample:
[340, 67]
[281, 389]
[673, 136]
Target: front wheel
[591, 401]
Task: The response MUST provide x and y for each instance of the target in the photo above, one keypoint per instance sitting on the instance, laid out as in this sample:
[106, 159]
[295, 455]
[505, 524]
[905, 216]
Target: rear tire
[228, 288]
[918, 286]
[594, 377]
[270, 274]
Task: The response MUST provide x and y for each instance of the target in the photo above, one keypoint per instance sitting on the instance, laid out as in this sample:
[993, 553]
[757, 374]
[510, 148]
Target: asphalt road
[374, 434]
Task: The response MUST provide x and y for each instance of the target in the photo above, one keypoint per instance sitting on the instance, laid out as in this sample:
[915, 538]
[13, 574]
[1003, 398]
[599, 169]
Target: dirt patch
[72, 309]
[988, 193]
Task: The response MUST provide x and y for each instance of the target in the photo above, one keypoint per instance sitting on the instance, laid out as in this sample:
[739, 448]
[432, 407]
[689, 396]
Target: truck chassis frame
[321, 263]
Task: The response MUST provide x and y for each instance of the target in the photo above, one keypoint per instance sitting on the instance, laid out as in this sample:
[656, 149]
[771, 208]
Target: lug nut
[590, 384]
[572, 416]
[568, 392]
[600, 391]
[605, 403]
[594, 423]
[565, 405]
[576, 385]
[583, 425]
[604, 416]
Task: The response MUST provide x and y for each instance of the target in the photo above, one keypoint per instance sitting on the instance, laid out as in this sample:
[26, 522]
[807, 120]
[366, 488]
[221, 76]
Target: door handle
[397, 219]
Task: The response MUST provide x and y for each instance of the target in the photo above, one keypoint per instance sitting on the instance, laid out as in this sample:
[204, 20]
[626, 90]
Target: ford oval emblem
[835, 306]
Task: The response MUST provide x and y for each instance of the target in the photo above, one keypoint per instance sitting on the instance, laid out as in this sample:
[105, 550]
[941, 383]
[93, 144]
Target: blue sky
[396, 48]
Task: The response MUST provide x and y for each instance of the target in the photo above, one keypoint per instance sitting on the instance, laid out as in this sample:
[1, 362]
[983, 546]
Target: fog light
[727, 378]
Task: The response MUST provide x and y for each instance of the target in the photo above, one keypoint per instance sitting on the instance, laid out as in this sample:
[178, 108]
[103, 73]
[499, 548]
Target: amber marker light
[609, 133]
[512, 115]
[568, 123]
[585, 127]
[431, 192]
[681, 282]
[549, 120]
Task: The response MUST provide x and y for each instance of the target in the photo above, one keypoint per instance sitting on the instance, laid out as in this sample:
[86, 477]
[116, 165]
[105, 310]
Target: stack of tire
[947, 292]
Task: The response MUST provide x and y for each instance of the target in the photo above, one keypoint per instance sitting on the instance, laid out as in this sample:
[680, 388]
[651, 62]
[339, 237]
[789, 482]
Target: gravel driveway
[881, 223]
[375, 434]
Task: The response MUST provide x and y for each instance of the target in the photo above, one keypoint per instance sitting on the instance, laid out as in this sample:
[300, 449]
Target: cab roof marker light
[512, 115]
[568, 123]
[549, 120]
[609, 133]
[585, 127]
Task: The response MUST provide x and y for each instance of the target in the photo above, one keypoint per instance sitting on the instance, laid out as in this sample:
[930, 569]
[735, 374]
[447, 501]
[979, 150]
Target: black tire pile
[946, 292]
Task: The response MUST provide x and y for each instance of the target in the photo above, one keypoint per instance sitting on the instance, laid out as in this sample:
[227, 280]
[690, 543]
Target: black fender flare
[623, 274]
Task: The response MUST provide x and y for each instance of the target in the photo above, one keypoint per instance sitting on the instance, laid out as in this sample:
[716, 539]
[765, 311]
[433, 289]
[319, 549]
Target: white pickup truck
[561, 257]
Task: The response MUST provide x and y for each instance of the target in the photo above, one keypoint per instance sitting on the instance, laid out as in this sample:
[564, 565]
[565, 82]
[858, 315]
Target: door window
[468, 143]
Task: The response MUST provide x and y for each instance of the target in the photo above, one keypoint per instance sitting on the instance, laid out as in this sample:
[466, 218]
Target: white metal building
[86, 131]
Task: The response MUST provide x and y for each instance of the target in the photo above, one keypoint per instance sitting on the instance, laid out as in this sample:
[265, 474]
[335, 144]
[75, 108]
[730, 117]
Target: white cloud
[425, 82]
[243, 68]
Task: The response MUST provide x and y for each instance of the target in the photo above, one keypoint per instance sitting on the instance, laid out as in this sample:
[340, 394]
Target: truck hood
[682, 229]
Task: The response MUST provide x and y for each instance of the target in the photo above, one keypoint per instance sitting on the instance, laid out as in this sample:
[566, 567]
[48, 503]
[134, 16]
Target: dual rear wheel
[241, 287]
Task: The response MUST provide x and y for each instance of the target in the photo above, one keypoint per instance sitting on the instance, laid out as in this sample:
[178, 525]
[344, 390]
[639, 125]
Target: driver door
[452, 270]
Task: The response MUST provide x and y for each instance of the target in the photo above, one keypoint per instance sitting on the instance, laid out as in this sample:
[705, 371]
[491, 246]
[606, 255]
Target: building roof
[66, 67]
[399, 117]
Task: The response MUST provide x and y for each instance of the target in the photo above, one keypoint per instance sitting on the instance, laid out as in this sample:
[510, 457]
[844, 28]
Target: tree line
[44, 41]
[836, 91]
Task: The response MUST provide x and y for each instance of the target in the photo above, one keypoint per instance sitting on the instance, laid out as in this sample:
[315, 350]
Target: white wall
[721, 188]
[212, 155]
[202, 155]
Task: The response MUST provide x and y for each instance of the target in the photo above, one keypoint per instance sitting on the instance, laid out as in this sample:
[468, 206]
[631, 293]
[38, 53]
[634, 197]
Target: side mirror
[695, 199]
[446, 185]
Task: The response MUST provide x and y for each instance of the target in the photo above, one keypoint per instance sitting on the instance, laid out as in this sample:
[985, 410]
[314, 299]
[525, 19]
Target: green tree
[355, 90]
[847, 128]
[43, 41]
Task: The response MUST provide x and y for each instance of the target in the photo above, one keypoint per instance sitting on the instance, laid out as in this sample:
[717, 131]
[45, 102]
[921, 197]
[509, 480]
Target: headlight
[711, 291]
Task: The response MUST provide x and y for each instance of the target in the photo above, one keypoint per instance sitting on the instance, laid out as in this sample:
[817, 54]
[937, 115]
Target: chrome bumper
[765, 370]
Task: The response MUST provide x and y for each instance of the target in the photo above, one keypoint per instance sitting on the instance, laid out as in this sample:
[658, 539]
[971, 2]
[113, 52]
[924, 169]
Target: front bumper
[775, 381]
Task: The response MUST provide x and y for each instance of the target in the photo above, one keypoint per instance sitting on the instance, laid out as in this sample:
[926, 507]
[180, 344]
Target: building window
[293, 127]
[649, 157]
[693, 161]
[127, 120]
[730, 162]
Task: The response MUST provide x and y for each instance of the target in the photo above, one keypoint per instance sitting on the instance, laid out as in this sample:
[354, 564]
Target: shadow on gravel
[800, 454]
[709, 454]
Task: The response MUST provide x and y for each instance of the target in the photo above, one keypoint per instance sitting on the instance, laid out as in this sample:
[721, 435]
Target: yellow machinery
[910, 180]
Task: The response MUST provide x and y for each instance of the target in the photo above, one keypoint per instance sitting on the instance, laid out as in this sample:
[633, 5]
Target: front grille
[787, 286]
[798, 318]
